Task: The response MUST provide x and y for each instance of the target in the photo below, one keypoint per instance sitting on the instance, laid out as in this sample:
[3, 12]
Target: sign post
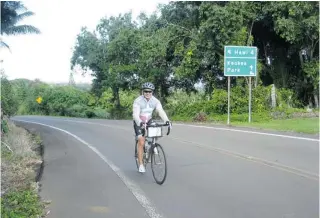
[228, 100]
[250, 99]
[240, 61]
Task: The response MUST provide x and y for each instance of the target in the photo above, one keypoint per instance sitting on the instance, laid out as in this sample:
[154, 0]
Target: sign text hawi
[240, 61]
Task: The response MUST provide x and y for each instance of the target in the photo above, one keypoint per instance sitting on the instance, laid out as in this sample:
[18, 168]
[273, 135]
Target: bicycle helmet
[147, 85]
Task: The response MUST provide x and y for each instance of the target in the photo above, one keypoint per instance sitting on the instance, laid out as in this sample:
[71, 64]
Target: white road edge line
[224, 151]
[135, 189]
[216, 128]
[250, 132]
[211, 127]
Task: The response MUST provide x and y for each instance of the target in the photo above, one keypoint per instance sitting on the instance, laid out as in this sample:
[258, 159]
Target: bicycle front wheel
[158, 160]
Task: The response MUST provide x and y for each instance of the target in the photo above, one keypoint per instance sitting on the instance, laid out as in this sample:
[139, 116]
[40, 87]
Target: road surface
[212, 172]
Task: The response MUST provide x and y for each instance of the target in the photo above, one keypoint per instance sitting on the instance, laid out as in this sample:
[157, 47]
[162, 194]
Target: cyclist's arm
[136, 113]
[161, 112]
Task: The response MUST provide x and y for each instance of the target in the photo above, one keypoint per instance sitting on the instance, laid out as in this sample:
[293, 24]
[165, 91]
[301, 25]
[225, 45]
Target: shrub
[76, 111]
[101, 113]
[18, 204]
[200, 117]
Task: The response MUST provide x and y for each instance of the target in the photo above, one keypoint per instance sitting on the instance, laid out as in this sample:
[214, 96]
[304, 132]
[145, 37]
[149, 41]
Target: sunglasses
[147, 91]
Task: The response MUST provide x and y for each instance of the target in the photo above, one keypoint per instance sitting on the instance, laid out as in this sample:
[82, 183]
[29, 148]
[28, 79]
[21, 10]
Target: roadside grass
[20, 163]
[309, 125]
[300, 125]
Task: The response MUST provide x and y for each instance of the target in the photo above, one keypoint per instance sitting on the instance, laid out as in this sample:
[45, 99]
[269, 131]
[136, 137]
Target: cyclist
[143, 107]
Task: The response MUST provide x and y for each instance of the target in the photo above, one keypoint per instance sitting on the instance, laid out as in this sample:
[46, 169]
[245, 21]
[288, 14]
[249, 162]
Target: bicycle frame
[152, 140]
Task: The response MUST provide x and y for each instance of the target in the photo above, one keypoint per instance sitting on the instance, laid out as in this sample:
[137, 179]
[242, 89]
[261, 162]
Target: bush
[69, 101]
[101, 113]
[261, 99]
[120, 113]
[286, 99]
[200, 117]
[255, 117]
[179, 99]
[9, 101]
[89, 113]
[76, 111]
[239, 102]
[219, 102]
[19, 204]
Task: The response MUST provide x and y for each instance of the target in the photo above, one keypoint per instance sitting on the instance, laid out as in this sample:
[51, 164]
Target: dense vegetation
[184, 45]
[179, 48]
[20, 158]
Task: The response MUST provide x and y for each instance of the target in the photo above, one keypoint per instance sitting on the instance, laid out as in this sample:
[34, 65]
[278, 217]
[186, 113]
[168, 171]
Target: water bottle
[147, 147]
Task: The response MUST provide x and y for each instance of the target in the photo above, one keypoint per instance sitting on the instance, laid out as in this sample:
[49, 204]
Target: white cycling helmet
[147, 85]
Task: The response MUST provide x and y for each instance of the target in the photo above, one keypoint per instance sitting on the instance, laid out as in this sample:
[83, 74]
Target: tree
[90, 53]
[298, 24]
[12, 12]
[184, 45]
[9, 102]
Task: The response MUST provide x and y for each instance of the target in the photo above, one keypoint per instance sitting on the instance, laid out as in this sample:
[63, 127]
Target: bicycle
[154, 132]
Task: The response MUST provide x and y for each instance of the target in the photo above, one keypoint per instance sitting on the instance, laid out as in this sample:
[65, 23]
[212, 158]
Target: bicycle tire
[136, 154]
[161, 181]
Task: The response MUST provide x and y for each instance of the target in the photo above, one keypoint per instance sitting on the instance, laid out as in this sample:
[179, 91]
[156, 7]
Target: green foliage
[62, 100]
[184, 45]
[20, 204]
[4, 126]
[180, 47]
[9, 101]
[239, 103]
[13, 12]
[198, 107]
[295, 20]
[311, 70]
[180, 99]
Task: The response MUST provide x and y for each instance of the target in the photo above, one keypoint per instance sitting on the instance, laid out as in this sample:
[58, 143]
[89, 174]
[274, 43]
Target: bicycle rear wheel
[160, 162]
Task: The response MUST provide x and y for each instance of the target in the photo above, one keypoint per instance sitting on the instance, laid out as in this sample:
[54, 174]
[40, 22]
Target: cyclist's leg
[141, 140]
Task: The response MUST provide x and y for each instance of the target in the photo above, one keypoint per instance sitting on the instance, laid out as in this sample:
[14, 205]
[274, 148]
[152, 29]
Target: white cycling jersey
[142, 109]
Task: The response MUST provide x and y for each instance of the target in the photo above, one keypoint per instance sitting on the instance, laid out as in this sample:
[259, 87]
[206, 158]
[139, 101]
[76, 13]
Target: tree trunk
[273, 96]
[316, 100]
[249, 34]
[249, 44]
[301, 58]
[116, 96]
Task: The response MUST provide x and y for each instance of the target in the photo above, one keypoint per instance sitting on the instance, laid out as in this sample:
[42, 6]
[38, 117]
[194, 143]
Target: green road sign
[240, 61]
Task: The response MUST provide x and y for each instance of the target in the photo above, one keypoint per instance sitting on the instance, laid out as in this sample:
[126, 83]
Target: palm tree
[13, 12]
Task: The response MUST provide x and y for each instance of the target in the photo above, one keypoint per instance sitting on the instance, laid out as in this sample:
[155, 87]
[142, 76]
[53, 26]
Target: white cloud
[47, 56]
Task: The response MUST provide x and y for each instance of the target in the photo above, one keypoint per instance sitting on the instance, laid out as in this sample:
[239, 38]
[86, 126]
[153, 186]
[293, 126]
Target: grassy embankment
[20, 166]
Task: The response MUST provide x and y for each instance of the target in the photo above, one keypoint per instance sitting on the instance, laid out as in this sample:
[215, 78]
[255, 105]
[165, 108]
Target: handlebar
[158, 125]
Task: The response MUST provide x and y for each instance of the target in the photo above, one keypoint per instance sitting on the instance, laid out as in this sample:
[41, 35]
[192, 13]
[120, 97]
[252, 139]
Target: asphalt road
[212, 172]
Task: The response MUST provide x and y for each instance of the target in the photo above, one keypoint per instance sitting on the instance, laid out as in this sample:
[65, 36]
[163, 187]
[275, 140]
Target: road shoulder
[77, 182]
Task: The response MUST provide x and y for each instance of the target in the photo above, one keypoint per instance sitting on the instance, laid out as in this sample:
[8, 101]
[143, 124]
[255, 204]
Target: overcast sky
[47, 56]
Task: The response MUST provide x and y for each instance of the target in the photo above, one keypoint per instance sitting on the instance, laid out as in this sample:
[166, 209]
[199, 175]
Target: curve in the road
[134, 188]
[278, 166]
